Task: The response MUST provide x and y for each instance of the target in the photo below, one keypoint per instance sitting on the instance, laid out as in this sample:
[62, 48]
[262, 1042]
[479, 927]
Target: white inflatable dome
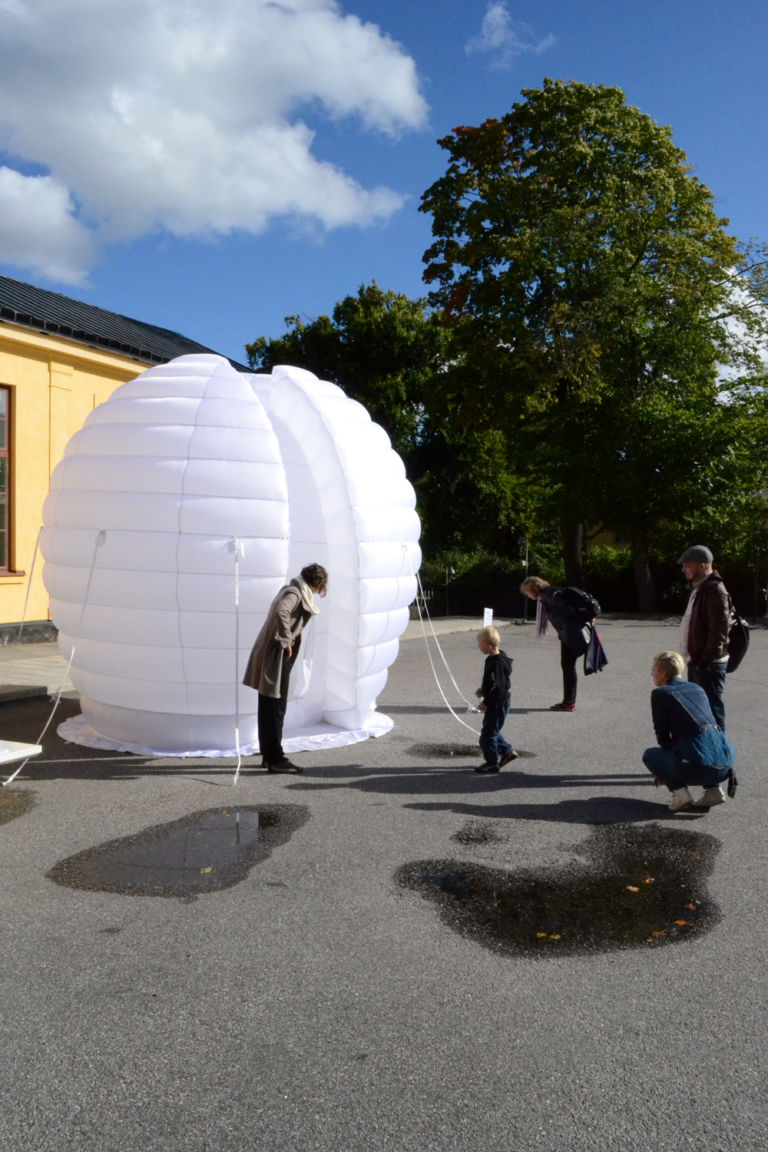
[179, 509]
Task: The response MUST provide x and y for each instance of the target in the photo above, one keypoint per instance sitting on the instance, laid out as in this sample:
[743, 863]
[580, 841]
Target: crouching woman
[692, 749]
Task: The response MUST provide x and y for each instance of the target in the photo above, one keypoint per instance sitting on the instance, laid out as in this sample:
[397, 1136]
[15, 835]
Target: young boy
[494, 696]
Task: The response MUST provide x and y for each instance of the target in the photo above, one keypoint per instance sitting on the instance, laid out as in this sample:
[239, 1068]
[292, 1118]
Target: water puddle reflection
[634, 887]
[203, 852]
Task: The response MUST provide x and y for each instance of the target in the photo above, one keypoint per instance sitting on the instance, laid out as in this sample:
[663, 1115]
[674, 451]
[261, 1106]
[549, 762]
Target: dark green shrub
[609, 575]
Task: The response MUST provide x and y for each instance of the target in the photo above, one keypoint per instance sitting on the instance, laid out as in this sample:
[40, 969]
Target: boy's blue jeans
[492, 743]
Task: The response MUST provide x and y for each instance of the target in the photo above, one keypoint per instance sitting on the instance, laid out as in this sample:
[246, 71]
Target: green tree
[380, 346]
[393, 355]
[594, 296]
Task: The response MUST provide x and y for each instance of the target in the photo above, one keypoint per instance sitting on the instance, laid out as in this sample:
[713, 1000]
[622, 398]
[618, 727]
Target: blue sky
[213, 168]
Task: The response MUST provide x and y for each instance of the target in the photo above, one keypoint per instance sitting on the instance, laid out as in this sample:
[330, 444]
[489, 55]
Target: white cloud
[504, 39]
[187, 115]
[38, 229]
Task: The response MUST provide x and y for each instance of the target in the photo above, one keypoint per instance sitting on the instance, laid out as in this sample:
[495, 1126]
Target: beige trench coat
[281, 630]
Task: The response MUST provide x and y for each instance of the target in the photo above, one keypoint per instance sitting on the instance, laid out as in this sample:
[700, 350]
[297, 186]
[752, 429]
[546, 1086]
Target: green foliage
[589, 355]
[393, 354]
[479, 577]
[467, 582]
[594, 297]
[381, 347]
[448, 565]
[608, 575]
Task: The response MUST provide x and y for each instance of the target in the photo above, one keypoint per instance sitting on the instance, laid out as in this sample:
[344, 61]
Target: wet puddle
[203, 852]
[477, 832]
[443, 751]
[632, 888]
[453, 751]
[13, 804]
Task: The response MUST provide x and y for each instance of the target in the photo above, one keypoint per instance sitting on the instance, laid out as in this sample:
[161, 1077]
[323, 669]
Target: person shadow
[593, 810]
[490, 796]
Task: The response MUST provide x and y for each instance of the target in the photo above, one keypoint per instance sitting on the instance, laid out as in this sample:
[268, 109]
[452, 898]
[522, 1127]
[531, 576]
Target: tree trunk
[644, 587]
[573, 556]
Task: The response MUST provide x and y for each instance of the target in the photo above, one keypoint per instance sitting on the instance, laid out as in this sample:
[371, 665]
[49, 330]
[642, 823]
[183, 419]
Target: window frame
[6, 453]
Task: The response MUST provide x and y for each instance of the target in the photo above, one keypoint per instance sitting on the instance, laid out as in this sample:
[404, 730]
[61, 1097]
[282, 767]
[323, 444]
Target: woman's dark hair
[316, 576]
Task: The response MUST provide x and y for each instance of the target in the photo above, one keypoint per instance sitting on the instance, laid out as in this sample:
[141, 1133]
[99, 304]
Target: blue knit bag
[709, 747]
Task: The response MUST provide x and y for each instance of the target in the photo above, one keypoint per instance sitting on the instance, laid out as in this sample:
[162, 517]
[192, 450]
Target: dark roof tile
[45, 311]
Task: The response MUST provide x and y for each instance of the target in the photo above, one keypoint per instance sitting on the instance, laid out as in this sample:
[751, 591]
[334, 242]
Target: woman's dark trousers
[568, 658]
[271, 715]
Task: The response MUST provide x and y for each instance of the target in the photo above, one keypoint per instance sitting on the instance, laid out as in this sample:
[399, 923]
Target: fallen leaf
[632, 888]
[204, 870]
[649, 880]
[692, 906]
[658, 932]
[554, 937]
[541, 935]
[682, 923]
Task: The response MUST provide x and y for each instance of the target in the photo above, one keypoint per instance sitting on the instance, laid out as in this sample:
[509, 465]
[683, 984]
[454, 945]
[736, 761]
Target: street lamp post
[523, 542]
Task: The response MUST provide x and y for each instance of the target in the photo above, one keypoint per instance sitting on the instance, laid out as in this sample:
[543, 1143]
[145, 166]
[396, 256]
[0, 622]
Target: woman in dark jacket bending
[570, 611]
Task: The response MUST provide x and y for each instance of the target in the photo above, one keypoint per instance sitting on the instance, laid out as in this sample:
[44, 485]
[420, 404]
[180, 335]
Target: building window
[5, 476]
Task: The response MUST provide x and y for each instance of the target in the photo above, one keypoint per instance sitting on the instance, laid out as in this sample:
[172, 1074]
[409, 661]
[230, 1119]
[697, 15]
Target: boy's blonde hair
[670, 662]
[490, 634]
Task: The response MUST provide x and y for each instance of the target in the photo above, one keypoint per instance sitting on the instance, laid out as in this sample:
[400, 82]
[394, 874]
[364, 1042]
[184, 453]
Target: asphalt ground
[318, 1005]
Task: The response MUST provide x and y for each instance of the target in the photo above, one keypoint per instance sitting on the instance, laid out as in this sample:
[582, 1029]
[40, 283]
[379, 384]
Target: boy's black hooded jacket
[496, 678]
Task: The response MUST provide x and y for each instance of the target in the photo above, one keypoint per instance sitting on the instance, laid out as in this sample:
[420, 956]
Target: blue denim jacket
[683, 722]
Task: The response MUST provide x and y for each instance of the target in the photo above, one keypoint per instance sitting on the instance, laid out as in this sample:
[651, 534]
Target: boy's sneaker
[486, 769]
[508, 757]
[680, 799]
[715, 794]
[562, 707]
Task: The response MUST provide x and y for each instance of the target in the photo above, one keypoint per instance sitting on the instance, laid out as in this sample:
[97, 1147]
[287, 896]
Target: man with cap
[705, 626]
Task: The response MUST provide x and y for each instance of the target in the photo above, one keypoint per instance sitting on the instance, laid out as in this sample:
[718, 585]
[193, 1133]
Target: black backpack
[738, 641]
[583, 605]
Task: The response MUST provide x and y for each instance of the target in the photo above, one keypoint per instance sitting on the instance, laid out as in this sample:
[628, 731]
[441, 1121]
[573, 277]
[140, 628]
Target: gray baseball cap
[698, 554]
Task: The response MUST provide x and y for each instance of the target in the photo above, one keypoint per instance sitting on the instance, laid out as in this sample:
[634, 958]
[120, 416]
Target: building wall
[54, 384]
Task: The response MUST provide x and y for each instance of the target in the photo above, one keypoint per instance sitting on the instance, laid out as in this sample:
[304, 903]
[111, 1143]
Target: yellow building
[59, 358]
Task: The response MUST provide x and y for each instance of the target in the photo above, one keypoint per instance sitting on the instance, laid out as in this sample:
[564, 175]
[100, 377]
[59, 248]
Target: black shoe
[486, 769]
[284, 766]
[508, 757]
